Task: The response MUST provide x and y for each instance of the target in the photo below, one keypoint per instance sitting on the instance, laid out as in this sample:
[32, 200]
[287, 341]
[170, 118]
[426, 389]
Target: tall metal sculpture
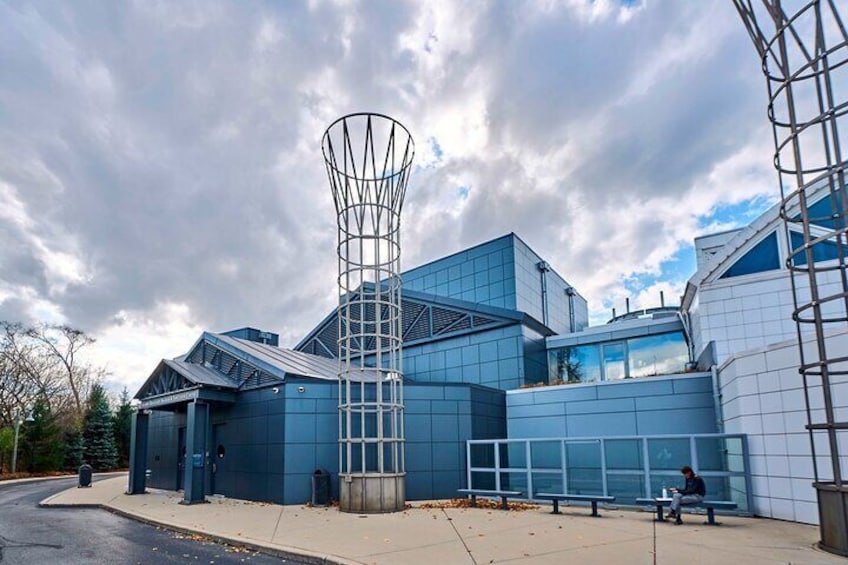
[369, 159]
[804, 52]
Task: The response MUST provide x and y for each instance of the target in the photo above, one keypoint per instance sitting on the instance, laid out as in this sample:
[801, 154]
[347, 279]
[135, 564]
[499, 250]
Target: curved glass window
[764, 256]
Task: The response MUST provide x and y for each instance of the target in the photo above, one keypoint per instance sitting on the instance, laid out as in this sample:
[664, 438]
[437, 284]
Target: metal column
[197, 423]
[138, 453]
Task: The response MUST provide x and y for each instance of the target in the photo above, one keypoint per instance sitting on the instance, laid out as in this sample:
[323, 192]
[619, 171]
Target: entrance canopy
[177, 382]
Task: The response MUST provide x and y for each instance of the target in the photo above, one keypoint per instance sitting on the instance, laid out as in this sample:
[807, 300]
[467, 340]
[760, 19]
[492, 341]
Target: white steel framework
[369, 159]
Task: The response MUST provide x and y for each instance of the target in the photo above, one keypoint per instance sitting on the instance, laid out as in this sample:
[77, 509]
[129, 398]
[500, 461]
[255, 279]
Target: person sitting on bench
[692, 493]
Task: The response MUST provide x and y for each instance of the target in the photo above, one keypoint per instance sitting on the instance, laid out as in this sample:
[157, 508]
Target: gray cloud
[160, 154]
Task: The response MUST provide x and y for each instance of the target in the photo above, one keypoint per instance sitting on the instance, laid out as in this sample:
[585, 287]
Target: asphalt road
[30, 535]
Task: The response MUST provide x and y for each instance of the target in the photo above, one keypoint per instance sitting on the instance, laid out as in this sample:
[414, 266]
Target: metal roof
[201, 375]
[287, 361]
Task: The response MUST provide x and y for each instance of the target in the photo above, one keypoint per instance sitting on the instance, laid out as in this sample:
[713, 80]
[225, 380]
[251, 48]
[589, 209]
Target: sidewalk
[467, 535]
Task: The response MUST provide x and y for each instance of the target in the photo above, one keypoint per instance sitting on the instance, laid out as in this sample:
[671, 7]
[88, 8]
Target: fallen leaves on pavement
[481, 503]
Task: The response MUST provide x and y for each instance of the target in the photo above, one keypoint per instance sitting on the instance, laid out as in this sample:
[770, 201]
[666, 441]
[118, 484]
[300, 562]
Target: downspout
[544, 268]
[690, 345]
[570, 292]
[719, 412]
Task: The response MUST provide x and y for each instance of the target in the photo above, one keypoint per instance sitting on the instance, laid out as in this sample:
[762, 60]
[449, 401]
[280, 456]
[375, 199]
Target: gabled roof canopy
[222, 363]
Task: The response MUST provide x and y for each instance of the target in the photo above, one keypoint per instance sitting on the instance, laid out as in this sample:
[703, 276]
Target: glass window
[481, 480]
[662, 354]
[762, 257]
[575, 364]
[513, 454]
[822, 212]
[546, 454]
[482, 455]
[823, 251]
[514, 481]
[668, 454]
[623, 454]
[614, 366]
[625, 488]
[547, 482]
[584, 467]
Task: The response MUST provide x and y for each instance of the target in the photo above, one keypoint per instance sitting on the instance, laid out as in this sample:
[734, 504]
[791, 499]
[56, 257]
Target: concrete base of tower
[833, 517]
[372, 493]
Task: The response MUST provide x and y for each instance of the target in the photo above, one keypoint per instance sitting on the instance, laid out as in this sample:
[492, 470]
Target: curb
[284, 552]
[58, 477]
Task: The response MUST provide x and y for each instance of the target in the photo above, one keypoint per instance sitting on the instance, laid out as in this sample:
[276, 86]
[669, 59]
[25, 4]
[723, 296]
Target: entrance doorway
[181, 458]
[219, 459]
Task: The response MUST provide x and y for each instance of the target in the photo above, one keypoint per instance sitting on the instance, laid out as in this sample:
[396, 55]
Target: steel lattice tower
[804, 51]
[369, 159]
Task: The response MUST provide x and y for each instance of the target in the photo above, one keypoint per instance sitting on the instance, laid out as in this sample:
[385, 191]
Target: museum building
[507, 386]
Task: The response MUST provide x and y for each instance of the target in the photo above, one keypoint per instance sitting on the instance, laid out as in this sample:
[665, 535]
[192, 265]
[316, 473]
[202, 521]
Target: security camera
[301, 389]
[276, 390]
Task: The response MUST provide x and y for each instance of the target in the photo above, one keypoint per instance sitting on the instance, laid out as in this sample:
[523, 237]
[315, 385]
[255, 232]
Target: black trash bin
[321, 488]
[85, 475]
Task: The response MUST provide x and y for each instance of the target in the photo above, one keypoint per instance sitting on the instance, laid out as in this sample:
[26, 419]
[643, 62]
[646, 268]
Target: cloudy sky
[161, 173]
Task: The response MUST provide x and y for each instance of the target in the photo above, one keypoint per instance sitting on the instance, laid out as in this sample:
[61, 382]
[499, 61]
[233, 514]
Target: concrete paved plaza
[465, 535]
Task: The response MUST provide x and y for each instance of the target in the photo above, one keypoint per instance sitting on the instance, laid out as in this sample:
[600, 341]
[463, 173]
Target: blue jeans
[677, 500]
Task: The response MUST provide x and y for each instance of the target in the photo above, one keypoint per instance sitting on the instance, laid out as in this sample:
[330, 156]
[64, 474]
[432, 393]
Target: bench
[593, 498]
[710, 505]
[503, 494]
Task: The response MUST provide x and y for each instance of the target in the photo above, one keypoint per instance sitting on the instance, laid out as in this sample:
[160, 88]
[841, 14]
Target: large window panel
[764, 256]
[614, 361]
[662, 354]
[575, 364]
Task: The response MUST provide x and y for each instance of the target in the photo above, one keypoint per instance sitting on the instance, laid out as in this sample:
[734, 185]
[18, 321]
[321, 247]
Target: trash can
[321, 488]
[84, 475]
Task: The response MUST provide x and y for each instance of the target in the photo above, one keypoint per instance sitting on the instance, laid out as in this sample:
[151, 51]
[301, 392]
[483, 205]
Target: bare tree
[24, 372]
[61, 345]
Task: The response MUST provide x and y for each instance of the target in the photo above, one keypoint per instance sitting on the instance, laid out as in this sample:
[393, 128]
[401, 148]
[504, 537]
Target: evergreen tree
[42, 440]
[122, 425]
[74, 448]
[98, 436]
[7, 440]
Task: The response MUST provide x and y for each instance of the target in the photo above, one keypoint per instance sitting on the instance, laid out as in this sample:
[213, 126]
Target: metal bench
[710, 506]
[594, 499]
[503, 494]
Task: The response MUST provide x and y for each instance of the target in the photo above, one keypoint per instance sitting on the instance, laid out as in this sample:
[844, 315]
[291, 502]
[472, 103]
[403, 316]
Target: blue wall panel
[495, 358]
[271, 450]
[476, 274]
[656, 405]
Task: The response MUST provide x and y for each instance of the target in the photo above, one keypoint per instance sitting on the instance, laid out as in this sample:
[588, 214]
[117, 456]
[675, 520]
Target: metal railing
[627, 467]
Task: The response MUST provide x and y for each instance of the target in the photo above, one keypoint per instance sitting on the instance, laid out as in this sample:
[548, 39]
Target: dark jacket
[695, 485]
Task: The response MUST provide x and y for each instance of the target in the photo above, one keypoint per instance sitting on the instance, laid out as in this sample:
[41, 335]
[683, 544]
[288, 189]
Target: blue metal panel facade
[272, 442]
[503, 272]
[484, 274]
[541, 292]
[493, 358]
[650, 406]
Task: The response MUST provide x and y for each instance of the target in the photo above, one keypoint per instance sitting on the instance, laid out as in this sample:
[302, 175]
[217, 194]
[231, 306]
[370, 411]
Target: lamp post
[19, 419]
